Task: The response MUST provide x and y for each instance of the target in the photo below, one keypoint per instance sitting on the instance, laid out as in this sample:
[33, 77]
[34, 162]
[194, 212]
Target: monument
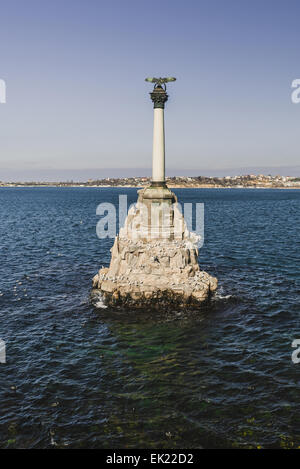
[154, 258]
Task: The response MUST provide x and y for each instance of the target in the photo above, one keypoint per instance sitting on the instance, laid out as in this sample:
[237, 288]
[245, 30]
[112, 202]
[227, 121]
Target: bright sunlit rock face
[154, 258]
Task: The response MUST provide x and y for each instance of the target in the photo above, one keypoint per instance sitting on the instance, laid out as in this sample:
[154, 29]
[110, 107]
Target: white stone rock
[143, 267]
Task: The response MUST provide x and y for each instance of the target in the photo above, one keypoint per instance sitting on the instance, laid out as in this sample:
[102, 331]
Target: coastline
[171, 186]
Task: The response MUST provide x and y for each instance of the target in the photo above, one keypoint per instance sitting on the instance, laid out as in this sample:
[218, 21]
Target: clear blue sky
[77, 100]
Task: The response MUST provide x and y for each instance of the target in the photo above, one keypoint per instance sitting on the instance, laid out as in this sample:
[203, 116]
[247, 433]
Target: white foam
[223, 297]
[100, 303]
[219, 296]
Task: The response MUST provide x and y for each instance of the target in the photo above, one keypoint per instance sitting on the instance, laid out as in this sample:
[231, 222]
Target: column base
[158, 191]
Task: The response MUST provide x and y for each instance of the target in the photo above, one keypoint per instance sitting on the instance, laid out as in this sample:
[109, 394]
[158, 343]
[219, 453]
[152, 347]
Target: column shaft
[158, 155]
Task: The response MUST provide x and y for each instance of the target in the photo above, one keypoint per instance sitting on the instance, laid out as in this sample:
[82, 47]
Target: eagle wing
[152, 80]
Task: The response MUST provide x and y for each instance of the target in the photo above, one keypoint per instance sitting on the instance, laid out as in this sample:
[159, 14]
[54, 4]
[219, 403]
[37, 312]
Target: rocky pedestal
[154, 259]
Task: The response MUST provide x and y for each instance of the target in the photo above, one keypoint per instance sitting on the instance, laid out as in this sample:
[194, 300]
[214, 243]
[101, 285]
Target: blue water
[77, 376]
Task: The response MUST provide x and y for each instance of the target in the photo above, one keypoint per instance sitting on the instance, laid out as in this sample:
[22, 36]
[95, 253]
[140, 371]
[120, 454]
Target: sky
[77, 105]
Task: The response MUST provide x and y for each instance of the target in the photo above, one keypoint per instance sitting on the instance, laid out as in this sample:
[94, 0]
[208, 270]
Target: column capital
[159, 97]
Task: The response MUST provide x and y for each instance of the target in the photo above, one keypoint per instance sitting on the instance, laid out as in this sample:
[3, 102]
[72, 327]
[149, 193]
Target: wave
[98, 302]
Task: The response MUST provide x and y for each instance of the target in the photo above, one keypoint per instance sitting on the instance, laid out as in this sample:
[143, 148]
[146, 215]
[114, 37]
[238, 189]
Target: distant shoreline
[142, 187]
[248, 181]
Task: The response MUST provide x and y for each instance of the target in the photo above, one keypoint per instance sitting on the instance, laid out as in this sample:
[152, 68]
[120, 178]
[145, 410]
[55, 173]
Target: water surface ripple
[77, 376]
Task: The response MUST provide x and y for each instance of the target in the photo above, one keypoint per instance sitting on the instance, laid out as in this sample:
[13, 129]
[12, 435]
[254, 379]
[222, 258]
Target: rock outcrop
[154, 259]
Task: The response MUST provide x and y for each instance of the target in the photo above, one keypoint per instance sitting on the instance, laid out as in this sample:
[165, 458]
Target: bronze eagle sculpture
[158, 82]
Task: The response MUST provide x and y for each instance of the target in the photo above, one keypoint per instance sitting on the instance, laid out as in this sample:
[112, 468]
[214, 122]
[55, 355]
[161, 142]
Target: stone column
[157, 197]
[159, 97]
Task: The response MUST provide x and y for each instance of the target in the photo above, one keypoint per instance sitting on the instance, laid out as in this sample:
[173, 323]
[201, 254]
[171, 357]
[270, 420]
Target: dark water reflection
[77, 376]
